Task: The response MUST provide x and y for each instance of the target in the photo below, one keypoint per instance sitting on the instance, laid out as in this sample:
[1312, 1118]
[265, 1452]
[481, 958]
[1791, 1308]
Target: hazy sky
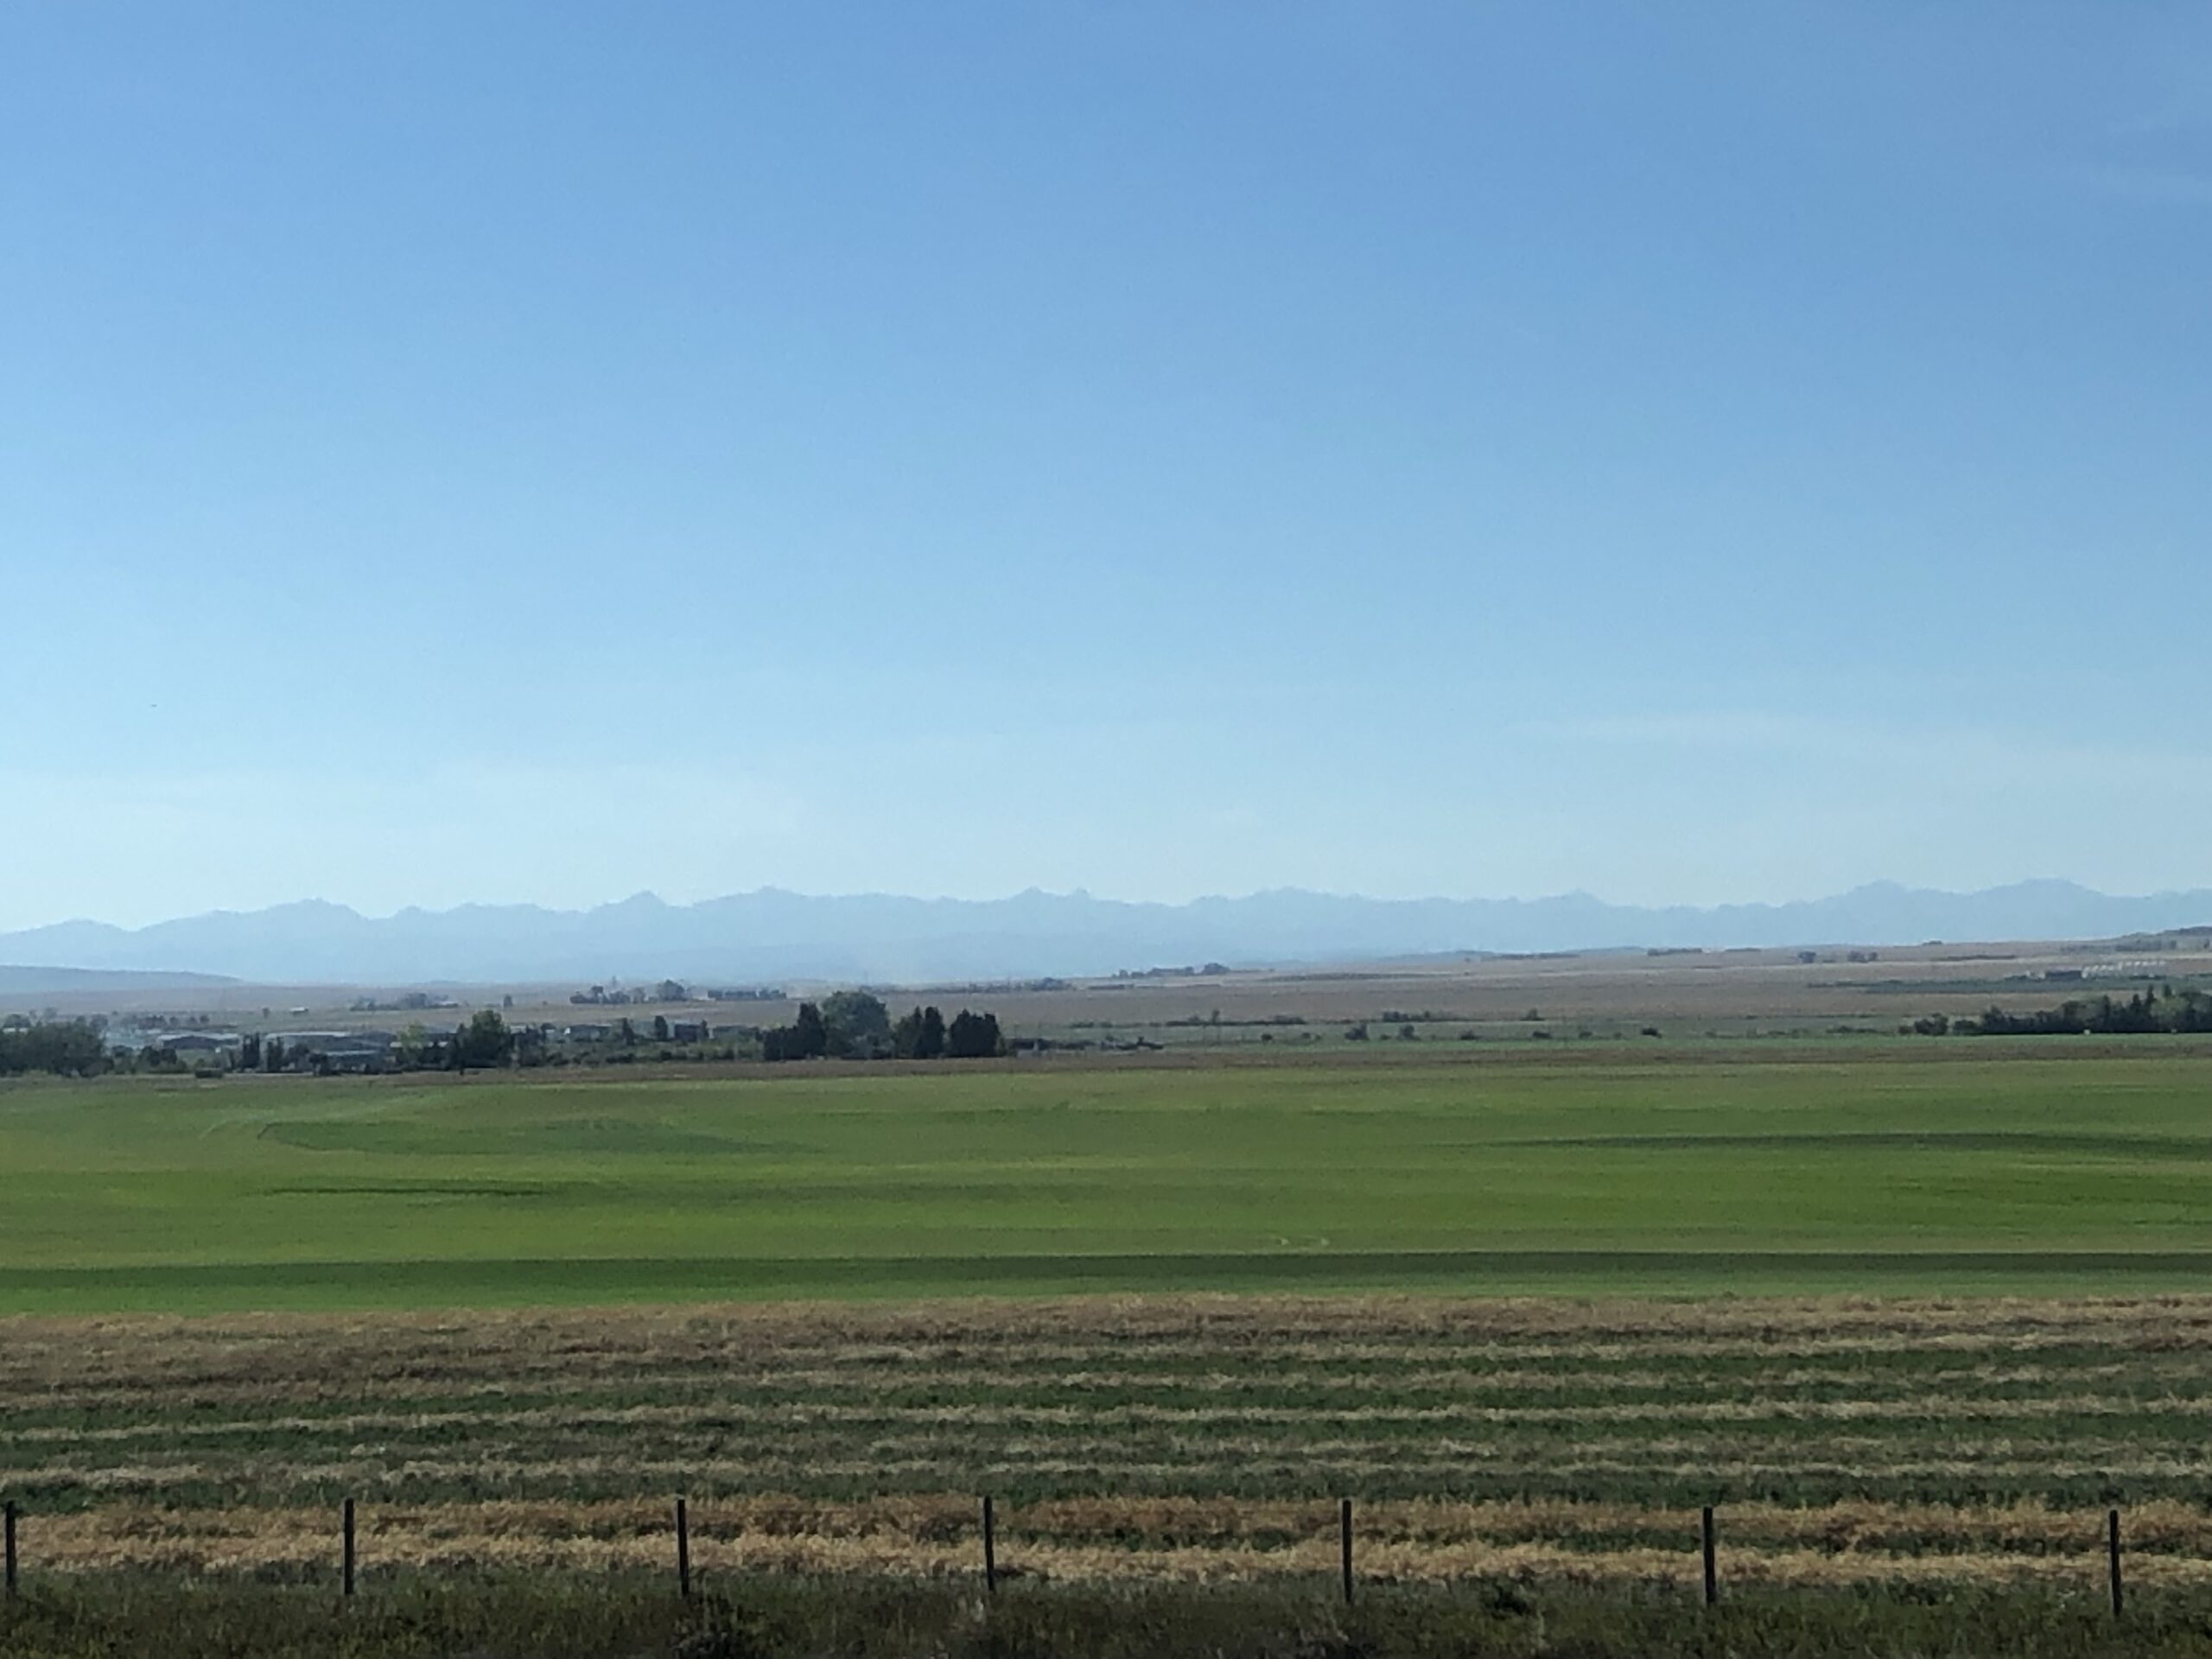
[544, 451]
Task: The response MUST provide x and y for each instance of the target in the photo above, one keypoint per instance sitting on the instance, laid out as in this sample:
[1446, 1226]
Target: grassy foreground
[845, 1619]
[1608, 1170]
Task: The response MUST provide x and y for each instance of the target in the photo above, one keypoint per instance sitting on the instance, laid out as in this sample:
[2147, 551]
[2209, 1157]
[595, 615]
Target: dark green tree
[858, 1024]
[805, 1039]
[974, 1037]
[918, 1035]
[484, 1041]
[69, 1048]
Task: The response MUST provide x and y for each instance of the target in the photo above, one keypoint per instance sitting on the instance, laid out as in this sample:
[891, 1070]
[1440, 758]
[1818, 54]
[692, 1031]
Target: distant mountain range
[772, 935]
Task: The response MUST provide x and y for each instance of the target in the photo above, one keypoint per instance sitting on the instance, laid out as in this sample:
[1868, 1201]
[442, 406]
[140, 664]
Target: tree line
[69, 1048]
[2146, 1014]
[857, 1026]
[846, 1024]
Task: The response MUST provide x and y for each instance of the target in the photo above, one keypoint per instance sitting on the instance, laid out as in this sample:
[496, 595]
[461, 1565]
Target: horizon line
[1084, 894]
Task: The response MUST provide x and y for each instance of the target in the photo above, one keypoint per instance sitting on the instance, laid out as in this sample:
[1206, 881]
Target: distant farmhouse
[336, 1051]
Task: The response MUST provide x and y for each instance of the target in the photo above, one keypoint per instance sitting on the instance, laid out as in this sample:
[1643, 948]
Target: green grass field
[1884, 1169]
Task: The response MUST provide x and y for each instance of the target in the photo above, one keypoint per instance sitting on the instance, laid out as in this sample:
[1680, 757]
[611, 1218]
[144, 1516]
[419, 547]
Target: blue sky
[545, 451]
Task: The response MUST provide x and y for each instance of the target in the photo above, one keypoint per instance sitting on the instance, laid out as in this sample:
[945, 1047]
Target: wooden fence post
[9, 1512]
[1344, 1531]
[682, 1549]
[346, 1527]
[1711, 1576]
[990, 1550]
[2112, 1545]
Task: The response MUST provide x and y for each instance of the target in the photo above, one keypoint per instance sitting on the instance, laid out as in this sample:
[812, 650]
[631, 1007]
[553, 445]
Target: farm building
[336, 1051]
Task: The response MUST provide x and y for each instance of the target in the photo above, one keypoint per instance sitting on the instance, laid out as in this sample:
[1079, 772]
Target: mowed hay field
[1973, 1442]
[1901, 1167]
[1925, 1312]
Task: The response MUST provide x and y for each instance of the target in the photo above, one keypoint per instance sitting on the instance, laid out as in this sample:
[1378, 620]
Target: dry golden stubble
[676, 1334]
[1106, 1463]
[149, 1363]
[488, 1408]
[1165, 1538]
[789, 1420]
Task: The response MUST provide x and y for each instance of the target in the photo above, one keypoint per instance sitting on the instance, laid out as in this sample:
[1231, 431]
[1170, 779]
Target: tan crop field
[1845, 1442]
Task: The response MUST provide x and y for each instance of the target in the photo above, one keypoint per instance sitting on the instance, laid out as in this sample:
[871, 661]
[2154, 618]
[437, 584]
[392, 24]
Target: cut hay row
[1849, 1545]
[511, 1472]
[1328, 1330]
[873, 1418]
[1873, 1441]
[1087, 1374]
[1470, 1382]
[308, 1381]
[1983, 1394]
[136, 1352]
